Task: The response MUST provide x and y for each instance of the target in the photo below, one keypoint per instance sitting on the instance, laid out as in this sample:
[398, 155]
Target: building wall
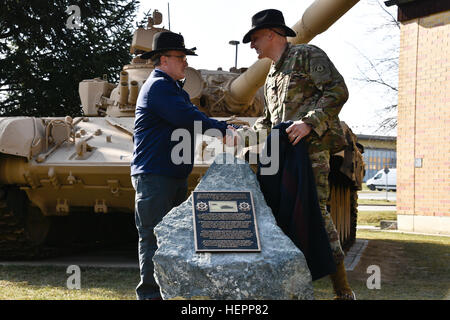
[379, 153]
[378, 142]
[423, 133]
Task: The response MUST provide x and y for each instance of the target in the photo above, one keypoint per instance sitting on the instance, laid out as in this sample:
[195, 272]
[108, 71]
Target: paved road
[377, 195]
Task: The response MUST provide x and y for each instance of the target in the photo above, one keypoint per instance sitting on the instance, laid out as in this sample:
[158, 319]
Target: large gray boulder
[279, 271]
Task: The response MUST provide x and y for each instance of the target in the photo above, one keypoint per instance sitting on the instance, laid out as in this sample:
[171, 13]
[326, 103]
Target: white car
[382, 180]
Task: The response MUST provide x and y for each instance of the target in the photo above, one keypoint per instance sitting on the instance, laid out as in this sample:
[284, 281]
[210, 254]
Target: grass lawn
[373, 202]
[412, 267]
[364, 187]
[373, 218]
[50, 283]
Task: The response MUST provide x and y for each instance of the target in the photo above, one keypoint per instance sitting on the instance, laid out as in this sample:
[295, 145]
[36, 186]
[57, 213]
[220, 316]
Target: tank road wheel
[23, 228]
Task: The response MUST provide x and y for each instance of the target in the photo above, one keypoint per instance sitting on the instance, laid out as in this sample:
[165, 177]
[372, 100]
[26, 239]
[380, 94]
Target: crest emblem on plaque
[244, 206]
[202, 206]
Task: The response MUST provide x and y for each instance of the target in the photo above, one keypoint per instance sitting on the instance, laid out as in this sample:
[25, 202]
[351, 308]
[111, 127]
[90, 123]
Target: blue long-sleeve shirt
[162, 107]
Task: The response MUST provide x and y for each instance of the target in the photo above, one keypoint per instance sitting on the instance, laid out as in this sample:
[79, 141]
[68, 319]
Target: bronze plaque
[225, 221]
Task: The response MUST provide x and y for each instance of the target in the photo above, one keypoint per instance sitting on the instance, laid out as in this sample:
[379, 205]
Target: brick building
[423, 132]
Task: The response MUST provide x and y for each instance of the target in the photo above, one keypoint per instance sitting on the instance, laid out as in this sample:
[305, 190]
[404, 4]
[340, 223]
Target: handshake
[231, 139]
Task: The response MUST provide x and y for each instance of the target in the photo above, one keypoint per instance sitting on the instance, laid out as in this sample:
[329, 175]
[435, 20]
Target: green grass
[374, 202]
[373, 218]
[364, 187]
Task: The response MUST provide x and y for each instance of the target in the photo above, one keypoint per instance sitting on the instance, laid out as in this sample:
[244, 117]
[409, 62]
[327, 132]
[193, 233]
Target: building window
[377, 159]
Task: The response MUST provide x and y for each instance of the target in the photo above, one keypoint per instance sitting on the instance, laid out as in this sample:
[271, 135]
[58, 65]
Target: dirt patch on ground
[388, 255]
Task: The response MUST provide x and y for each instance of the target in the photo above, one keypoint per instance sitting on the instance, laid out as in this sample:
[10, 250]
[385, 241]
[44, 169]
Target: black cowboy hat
[165, 41]
[270, 18]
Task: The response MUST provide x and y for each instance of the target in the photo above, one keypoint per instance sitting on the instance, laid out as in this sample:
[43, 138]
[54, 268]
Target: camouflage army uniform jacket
[304, 85]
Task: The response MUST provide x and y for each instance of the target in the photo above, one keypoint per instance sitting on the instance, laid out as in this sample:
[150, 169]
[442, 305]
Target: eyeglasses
[183, 58]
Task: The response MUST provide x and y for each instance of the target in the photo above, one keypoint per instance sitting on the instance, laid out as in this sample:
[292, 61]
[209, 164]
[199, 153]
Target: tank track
[58, 236]
[14, 240]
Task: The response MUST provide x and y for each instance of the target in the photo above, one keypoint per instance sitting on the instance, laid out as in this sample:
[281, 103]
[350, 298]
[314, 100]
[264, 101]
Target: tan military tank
[67, 181]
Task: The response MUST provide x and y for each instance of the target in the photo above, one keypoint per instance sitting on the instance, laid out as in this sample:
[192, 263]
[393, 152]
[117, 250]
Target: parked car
[382, 179]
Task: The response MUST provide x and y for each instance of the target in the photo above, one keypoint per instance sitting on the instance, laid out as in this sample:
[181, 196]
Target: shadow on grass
[411, 268]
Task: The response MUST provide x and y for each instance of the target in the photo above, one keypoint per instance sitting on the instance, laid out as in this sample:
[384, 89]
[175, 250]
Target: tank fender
[22, 136]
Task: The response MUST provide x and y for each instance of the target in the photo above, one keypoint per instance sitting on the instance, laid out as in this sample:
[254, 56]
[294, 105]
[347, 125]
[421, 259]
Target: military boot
[341, 286]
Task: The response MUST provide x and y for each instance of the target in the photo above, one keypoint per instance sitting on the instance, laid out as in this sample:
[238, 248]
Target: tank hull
[77, 196]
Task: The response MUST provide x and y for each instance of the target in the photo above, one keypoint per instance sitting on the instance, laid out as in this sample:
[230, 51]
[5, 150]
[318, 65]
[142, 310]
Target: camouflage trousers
[320, 162]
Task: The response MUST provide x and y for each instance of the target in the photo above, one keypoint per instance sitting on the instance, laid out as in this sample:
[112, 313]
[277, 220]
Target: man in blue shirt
[160, 182]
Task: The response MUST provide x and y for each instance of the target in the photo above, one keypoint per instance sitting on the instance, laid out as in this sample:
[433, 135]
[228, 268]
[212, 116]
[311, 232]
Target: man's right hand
[297, 130]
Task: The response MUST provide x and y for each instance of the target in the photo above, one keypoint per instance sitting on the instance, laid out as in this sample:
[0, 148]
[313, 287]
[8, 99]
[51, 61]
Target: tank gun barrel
[317, 18]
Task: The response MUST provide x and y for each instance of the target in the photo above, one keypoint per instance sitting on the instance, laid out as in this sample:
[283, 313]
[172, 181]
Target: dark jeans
[155, 197]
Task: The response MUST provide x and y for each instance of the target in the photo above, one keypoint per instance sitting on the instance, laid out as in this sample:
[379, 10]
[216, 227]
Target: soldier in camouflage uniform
[304, 86]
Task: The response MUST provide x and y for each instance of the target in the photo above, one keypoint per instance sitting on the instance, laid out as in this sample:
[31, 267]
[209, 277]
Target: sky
[209, 25]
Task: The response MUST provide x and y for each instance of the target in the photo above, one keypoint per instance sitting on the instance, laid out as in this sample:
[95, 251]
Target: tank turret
[100, 98]
[67, 181]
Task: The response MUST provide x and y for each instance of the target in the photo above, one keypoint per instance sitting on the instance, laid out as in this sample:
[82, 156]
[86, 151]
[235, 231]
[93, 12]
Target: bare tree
[382, 70]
